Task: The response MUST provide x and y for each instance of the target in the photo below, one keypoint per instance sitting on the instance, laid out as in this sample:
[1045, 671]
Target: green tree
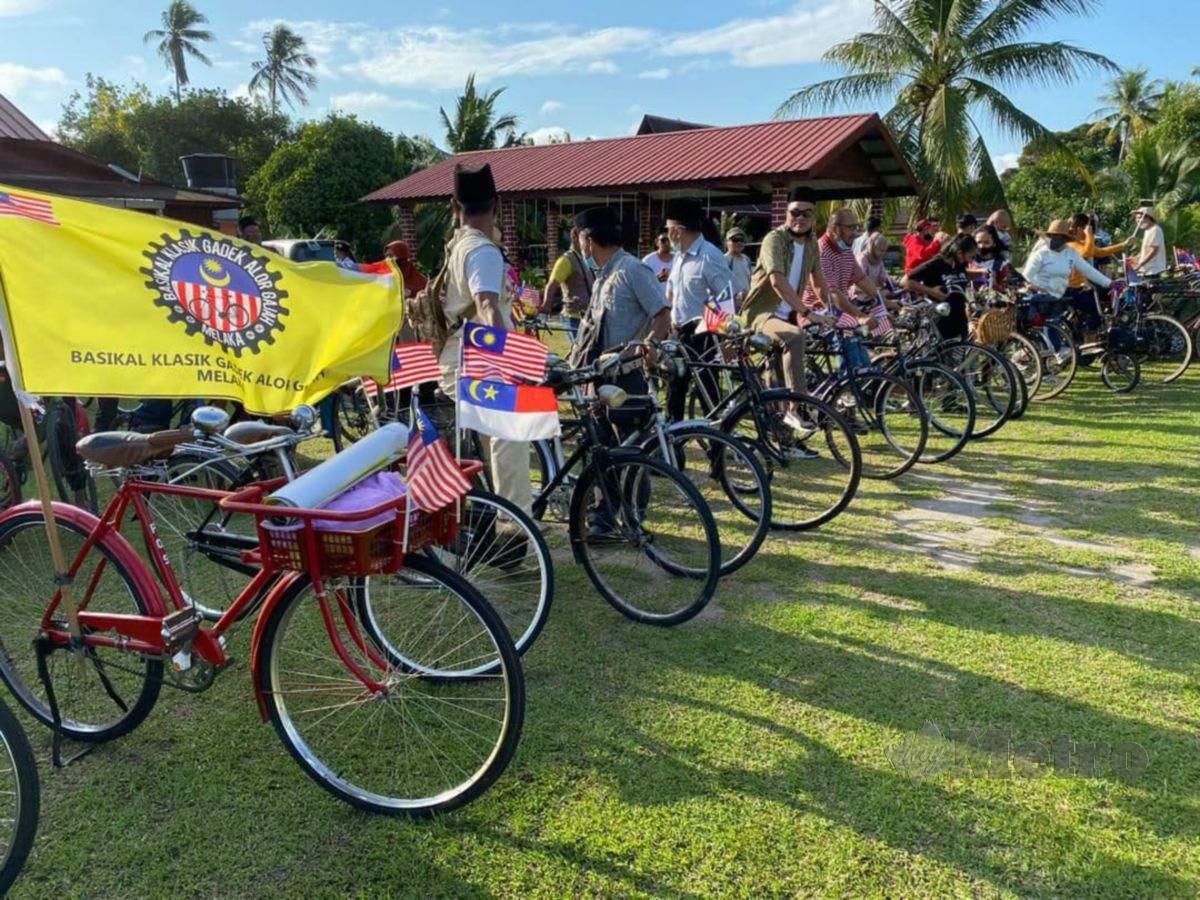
[1130, 108]
[178, 39]
[476, 125]
[135, 130]
[315, 182]
[945, 63]
[415, 153]
[1179, 114]
[286, 73]
[1168, 174]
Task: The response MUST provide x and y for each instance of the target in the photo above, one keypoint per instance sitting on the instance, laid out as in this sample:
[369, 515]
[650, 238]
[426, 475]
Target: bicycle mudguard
[282, 585]
[115, 541]
[673, 427]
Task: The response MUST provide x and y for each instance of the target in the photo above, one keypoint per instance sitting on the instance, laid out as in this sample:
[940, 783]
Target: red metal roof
[770, 151]
[15, 124]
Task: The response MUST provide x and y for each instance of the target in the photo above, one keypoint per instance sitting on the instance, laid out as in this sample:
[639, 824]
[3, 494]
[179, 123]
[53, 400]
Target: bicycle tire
[867, 396]
[26, 793]
[352, 416]
[404, 680]
[759, 421]
[18, 665]
[1024, 356]
[1057, 374]
[737, 484]
[629, 479]
[72, 480]
[1168, 340]
[979, 366]
[1121, 372]
[944, 394]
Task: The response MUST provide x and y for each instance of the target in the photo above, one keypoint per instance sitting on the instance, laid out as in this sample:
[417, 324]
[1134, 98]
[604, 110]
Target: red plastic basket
[288, 541]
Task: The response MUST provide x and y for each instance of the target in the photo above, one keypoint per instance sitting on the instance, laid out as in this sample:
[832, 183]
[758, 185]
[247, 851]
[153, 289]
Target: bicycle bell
[759, 343]
[304, 418]
[209, 419]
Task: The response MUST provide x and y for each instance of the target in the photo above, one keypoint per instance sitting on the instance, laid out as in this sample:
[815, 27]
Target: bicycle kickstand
[44, 647]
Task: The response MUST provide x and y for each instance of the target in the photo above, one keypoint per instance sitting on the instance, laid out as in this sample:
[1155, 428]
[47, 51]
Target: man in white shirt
[1152, 260]
[739, 263]
[661, 259]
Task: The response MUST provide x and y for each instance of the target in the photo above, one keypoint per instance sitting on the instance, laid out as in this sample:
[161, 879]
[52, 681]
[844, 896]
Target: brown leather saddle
[125, 449]
[246, 433]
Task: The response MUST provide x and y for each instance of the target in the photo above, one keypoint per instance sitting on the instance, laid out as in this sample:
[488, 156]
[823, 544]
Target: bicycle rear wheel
[812, 458]
[353, 416]
[950, 405]
[115, 690]
[1025, 358]
[20, 798]
[1058, 366]
[437, 736]
[732, 482]
[887, 418]
[1120, 371]
[646, 539]
[1169, 351]
[990, 379]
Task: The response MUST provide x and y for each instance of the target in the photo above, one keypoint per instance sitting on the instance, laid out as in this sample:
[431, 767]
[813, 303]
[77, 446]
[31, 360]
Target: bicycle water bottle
[321, 484]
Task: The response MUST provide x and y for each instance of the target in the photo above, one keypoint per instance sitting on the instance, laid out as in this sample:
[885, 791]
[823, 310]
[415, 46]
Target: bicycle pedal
[179, 629]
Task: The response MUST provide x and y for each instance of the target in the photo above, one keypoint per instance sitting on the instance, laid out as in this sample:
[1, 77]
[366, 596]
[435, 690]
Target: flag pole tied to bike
[105, 302]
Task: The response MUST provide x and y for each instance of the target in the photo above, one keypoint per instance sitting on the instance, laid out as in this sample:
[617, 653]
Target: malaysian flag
[493, 352]
[530, 297]
[434, 478]
[1184, 258]
[412, 364]
[717, 311]
[21, 206]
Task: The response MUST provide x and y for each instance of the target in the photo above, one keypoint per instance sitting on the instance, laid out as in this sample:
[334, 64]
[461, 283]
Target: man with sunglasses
[739, 263]
[788, 264]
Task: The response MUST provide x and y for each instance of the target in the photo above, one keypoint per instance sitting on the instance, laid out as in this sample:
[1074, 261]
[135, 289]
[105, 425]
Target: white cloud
[19, 7]
[241, 92]
[371, 101]
[134, 66]
[552, 106]
[15, 78]
[603, 67]
[50, 126]
[544, 135]
[1004, 161]
[800, 35]
[655, 74]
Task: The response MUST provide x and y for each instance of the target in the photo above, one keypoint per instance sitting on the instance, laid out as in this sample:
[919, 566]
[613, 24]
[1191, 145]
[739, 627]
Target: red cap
[398, 249]
[927, 223]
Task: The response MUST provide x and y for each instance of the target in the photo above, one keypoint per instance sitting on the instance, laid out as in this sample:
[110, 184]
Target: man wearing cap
[699, 272]
[788, 264]
[919, 245]
[1152, 260]
[572, 278]
[739, 263]
[475, 292]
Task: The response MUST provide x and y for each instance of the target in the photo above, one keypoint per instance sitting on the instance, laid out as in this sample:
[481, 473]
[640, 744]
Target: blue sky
[591, 69]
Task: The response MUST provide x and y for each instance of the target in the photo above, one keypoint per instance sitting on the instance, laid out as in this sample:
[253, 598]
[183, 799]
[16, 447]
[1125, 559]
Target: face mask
[1057, 242]
[926, 237]
[987, 252]
[676, 246]
[842, 245]
[590, 262]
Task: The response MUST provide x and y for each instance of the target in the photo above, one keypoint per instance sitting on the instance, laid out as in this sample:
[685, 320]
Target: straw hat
[1059, 227]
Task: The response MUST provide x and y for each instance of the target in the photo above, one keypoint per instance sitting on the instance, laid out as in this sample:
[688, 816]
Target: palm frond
[863, 87]
[1012, 17]
[1050, 64]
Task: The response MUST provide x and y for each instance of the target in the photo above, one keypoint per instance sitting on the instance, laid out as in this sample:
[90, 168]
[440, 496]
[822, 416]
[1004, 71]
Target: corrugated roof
[770, 151]
[15, 124]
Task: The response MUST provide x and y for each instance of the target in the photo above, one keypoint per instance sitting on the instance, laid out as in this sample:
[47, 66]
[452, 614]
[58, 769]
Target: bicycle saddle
[245, 433]
[125, 449]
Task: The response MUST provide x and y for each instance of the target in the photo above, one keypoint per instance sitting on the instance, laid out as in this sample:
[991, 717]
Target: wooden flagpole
[33, 447]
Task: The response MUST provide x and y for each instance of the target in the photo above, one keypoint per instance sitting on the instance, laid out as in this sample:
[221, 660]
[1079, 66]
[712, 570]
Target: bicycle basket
[996, 325]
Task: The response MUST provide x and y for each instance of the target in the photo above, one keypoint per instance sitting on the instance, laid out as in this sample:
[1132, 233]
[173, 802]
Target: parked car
[301, 250]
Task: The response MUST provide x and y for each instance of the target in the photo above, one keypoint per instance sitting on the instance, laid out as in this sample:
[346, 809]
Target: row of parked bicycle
[387, 642]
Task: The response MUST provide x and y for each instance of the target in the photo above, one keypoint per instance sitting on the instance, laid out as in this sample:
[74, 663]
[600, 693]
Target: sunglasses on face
[798, 213]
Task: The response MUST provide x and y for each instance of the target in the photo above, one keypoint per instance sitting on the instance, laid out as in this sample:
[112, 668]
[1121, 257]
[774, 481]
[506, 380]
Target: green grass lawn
[1040, 589]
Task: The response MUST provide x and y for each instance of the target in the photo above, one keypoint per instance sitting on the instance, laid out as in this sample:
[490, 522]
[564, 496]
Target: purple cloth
[371, 491]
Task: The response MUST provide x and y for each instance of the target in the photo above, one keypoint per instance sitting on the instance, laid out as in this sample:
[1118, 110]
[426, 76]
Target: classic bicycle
[416, 711]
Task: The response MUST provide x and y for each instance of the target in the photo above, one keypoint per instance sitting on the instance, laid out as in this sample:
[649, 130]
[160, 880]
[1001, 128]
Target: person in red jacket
[919, 245]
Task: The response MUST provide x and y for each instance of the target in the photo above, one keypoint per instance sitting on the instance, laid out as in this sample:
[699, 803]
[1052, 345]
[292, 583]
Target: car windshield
[312, 251]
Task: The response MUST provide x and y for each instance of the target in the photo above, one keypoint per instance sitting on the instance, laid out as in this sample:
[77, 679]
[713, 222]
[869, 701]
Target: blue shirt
[698, 273]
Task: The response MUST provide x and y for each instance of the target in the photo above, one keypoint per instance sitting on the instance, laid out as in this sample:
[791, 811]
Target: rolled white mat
[319, 485]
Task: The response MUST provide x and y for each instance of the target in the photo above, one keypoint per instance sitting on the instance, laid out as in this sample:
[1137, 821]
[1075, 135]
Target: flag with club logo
[96, 301]
[717, 311]
[433, 478]
[510, 412]
[412, 364]
[495, 353]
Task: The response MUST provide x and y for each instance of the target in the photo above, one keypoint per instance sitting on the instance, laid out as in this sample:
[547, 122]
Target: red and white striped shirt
[840, 268]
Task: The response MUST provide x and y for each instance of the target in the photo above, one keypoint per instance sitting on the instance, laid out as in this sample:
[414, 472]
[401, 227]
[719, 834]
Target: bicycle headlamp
[209, 419]
[612, 396]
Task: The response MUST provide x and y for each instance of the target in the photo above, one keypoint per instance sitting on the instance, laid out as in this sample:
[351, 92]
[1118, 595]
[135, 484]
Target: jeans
[1085, 302]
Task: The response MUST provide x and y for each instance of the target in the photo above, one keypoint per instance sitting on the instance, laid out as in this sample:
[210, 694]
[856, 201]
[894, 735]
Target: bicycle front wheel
[1058, 366]
[646, 539]
[1120, 371]
[20, 798]
[1169, 351]
[887, 418]
[435, 737]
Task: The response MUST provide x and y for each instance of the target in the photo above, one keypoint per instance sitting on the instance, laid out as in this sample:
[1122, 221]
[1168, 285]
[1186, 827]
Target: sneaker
[799, 451]
[792, 420]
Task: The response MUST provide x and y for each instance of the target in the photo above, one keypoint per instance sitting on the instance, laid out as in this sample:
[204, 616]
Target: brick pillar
[508, 224]
[553, 233]
[408, 226]
[779, 205]
[645, 226]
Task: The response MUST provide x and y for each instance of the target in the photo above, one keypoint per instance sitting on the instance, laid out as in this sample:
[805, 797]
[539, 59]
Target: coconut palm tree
[286, 72]
[944, 64]
[1130, 107]
[178, 39]
[475, 125]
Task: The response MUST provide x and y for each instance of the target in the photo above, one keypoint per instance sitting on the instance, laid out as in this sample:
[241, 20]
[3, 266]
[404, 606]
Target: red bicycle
[414, 709]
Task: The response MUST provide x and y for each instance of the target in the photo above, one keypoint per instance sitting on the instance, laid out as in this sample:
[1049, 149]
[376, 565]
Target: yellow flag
[109, 303]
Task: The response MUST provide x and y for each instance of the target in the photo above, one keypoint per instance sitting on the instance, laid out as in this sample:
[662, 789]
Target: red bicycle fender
[128, 557]
[280, 587]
